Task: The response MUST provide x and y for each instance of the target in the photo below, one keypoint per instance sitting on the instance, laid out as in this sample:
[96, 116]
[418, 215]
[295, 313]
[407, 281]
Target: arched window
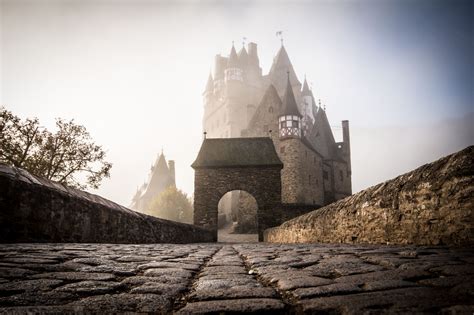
[270, 109]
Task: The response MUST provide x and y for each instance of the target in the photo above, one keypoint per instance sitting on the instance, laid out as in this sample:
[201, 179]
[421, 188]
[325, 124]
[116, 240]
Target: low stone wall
[33, 209]
[431, 205]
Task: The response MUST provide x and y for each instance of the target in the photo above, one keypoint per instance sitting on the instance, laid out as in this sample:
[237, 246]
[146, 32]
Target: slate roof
[237, 152]
[289, 102]
[306, 90]
[233, 58]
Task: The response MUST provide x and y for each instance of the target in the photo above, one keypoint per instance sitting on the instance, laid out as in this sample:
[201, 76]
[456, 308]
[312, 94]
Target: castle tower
[289, 121]
[162, 176]
[234, 69]
[307, 106]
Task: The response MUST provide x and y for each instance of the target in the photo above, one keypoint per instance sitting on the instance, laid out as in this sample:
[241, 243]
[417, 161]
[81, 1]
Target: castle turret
[243, 58]
[289, 121]
[281, 66]
[307, 106]
[234, 70]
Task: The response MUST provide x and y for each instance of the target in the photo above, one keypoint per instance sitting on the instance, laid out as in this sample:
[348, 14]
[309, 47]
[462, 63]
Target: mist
[132, 72]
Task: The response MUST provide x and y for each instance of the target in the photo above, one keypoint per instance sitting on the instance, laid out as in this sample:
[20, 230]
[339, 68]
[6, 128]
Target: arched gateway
[249, 164]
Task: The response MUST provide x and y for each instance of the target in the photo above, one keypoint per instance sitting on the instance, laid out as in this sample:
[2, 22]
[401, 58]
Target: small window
[325, 175]
[289, 123]
[309, 179]
[270, 109]
[341, 176]
[282, 150]
[306, 153]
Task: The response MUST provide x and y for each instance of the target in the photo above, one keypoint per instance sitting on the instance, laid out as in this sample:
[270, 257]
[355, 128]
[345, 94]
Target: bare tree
[64, 156]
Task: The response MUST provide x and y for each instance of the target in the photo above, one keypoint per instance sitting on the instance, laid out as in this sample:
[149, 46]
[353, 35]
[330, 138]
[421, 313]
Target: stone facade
[246, 164]
[263, 183]
[431, 205]
[240, 101]
[34, 209]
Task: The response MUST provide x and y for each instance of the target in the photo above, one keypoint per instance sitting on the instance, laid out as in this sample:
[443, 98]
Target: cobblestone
[235, 278]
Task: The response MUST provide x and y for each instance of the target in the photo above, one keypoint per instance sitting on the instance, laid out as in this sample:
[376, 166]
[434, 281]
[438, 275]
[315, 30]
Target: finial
[205, 133]
[280, 34]
[324, 107]
[161, 150]
[232, 43]
[319, 102]
[244, 39]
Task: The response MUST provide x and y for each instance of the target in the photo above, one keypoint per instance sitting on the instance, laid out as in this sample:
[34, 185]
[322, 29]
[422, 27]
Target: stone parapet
[431, 205]
[34, 209]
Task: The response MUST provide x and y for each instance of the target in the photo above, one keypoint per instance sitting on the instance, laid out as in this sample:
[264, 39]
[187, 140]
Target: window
[309, 179]
[306, 153]
[325, 175]
[341, 176]
[282, 150]
[270, 109]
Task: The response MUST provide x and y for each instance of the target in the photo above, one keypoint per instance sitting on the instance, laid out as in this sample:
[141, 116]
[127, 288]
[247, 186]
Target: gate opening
[237, 217]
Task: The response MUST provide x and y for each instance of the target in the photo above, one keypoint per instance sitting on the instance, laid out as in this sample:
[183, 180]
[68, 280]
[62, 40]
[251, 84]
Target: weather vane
[280, 35]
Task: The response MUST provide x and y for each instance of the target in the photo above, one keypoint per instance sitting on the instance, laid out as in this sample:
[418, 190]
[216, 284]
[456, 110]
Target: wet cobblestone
[249, 278]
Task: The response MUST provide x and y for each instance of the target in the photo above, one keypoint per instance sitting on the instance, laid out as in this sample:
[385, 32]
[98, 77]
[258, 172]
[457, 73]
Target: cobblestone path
[258, 278]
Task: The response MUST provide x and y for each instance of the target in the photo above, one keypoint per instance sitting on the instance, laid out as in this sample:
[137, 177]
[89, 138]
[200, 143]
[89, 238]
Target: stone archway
[249, 164]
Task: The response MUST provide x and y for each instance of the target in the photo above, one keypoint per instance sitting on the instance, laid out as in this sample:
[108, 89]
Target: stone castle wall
[33, 209]
[301, 175]
[431, 205]
[210, 184]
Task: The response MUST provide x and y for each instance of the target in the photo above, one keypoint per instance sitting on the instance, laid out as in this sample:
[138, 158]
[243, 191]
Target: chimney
[347, 143]
[253, 54]
[172, 172]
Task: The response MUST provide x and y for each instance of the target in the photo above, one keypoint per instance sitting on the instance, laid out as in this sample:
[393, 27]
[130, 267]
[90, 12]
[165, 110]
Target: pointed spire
[289, 102]
[233, 59]
[280, 66]
[305, 91]
[161, 164]
[243, 57]
[210, 84]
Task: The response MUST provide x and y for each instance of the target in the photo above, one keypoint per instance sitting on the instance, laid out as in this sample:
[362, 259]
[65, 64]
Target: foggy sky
[133, 72]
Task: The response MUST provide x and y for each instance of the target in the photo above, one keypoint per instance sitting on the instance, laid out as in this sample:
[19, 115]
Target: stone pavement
[254, 278]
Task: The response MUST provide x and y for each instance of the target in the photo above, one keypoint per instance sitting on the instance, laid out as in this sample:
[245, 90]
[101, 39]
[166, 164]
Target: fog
[132, 72]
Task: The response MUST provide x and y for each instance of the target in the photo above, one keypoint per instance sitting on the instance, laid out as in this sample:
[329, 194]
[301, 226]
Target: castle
[241, 102]
[162, 176]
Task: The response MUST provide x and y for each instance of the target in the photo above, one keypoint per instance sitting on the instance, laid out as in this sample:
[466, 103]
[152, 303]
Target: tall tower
[307, 104]
[290, 135]
[289, 122]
